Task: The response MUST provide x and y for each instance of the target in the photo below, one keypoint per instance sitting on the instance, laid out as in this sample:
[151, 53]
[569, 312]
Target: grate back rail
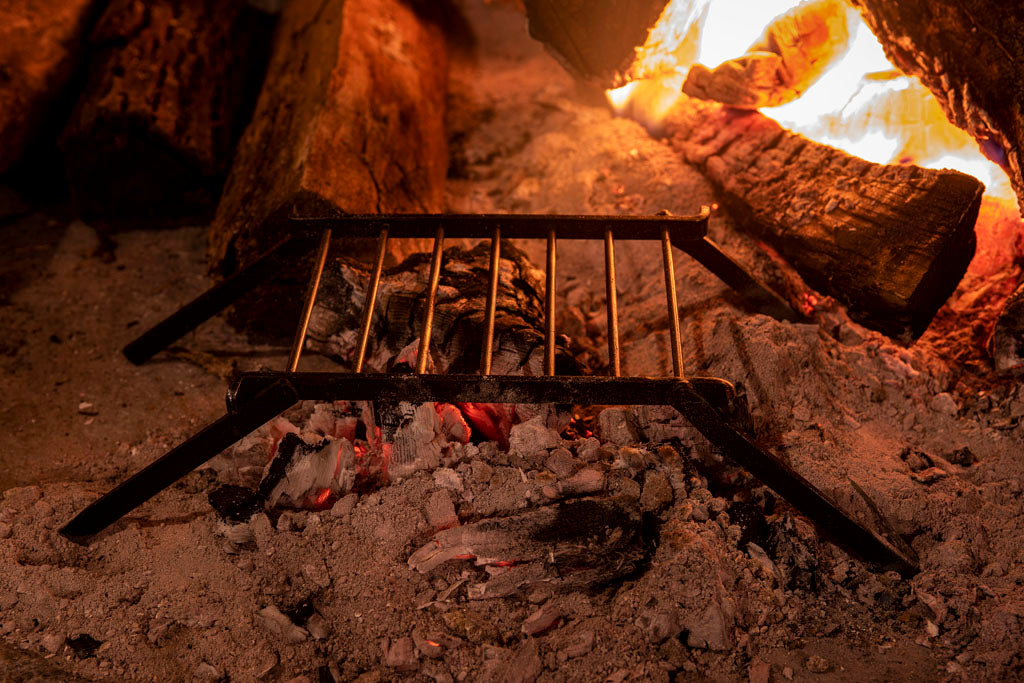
[707, 403]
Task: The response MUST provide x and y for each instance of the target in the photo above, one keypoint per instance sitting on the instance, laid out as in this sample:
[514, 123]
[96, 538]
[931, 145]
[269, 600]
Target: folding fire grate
[705, 402]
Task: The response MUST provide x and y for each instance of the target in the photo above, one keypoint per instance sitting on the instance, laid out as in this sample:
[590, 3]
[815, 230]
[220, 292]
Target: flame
[860, 104]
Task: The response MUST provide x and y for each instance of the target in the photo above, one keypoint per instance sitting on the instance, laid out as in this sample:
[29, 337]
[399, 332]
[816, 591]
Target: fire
[860, 103]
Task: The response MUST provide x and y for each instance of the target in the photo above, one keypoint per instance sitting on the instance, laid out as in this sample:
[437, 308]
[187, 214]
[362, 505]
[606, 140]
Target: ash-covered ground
[723, 580]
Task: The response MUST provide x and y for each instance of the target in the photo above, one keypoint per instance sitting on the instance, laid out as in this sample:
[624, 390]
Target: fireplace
[564, 539]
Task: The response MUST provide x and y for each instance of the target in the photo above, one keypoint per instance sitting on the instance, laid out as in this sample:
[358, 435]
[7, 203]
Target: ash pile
[625, 553]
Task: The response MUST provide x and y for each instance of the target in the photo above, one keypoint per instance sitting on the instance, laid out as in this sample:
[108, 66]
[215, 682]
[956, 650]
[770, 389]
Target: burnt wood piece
[350, 120]
[793, 53]
[457, 333]
[1007, 342]
[171, 83]
[970, 54]
[889, 242]
[578, 544]
[596, 40]
[41, 43]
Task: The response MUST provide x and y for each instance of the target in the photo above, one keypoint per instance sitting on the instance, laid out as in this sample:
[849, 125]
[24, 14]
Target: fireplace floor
[172, 592]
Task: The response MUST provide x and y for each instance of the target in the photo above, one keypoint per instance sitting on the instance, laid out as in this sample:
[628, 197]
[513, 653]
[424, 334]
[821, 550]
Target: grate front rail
[707, 403]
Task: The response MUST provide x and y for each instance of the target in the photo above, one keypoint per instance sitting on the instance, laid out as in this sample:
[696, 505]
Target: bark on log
[350, 119]
[171, 84]
[889, 242]
[970, 53]
[41, 42]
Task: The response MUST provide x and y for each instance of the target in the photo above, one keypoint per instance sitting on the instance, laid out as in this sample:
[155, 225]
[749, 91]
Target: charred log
[350, 119]
[889, 242]
[1007, 343]
[171, 83]
[40, 46]
[457, 337]
[971, 55]
[595, 41]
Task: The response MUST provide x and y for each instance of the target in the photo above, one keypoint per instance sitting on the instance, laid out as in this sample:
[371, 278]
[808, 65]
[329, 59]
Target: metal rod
[307, 307]
[492, 302]
[371, 298]
[673, 303]
[612, 300]
[549, 307]
[513, 226]
[428, 316]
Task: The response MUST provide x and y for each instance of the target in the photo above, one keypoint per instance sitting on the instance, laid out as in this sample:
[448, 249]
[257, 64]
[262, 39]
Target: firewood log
[970, 53]
[170, 85]
[350, 119]
[41, 43]
[889, 242]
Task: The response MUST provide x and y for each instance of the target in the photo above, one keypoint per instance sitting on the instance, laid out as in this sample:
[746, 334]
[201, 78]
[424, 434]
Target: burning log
[971, 56]
[889, 242]
[794, 51]
[350, 119]
[170, 87]
[40, 44]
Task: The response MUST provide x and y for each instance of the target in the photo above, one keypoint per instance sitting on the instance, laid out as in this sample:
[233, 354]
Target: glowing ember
[860, 104]
[323, 499]
[492, 420]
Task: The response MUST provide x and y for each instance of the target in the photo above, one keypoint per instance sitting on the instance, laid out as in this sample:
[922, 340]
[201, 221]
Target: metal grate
[705, 402]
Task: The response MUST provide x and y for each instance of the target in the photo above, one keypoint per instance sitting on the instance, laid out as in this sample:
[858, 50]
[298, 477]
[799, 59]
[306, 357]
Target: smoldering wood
[350, 119]
[457, 336]
[597, 40]
[171, 84]
[1007, 342]
[41, 45]
[970, 54]
[578, 544]
[889, 242]
[795, 50]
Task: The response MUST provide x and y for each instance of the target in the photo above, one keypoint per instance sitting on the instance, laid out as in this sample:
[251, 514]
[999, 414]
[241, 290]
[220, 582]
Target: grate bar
[428, 316]
[492, 303]
[675, 339]
[513, 226]
[549, 306]
[307, 306]
[612, 303]
[371, 299]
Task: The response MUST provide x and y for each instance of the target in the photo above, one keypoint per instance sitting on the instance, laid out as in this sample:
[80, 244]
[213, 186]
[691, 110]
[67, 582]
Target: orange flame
[861, 104]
